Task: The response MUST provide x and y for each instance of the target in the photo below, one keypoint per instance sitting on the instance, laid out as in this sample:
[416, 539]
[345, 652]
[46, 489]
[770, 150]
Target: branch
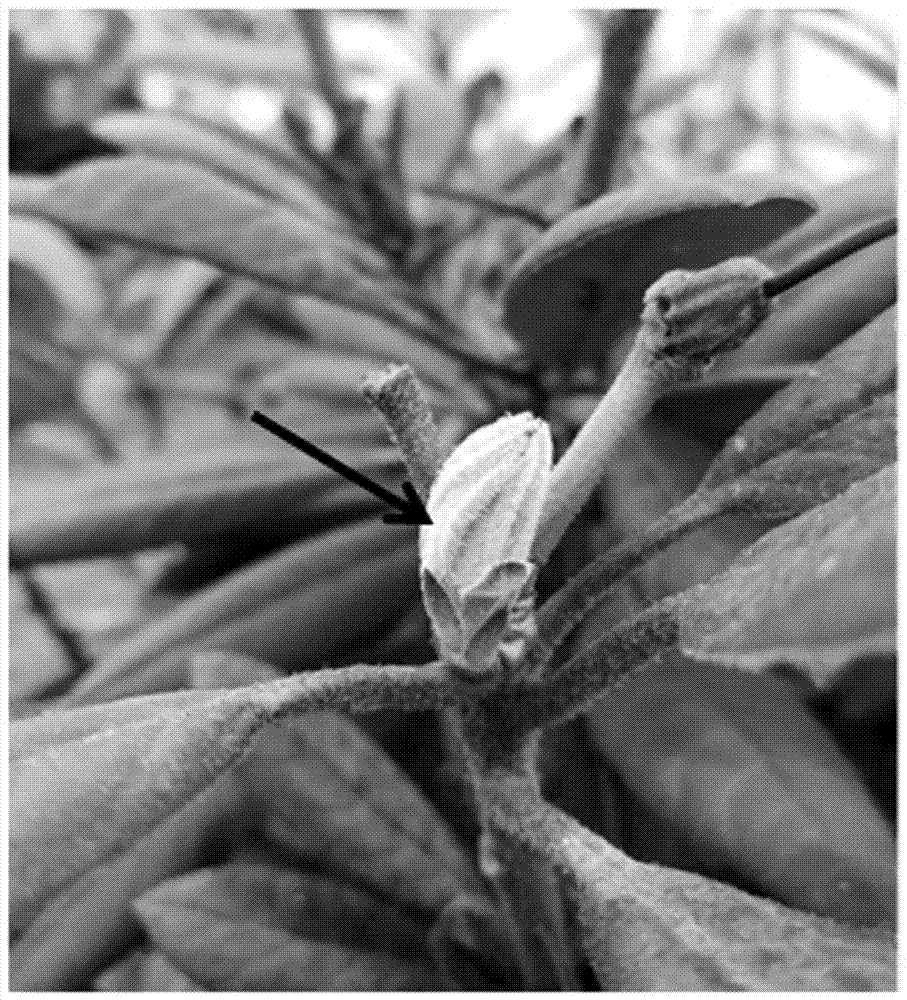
[398, 397]
[624, 37]
[566, 608]
[616, 657]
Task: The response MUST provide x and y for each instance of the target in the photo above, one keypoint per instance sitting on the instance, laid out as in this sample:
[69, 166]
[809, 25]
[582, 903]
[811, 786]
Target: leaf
[337, 326]
[824, 465]
[588, 272]
[283, 609]
[79, 802]
[817, 592]
[61, 269]
[233, 953]
[846, 379]
[90, 921]
[645, 927]
[252, 887]
[741, 769]
[178, 495]
[884, 70]
[258, 168]
[143, 970]
[43, 378]
[471, 949]
[328, 794]
[821, 311]
[178, 208]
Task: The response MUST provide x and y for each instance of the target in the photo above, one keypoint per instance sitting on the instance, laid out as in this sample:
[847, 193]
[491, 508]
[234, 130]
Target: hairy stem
[594, 671]
[399, 398]
[582, 467]
[623, 43]
[565, 610]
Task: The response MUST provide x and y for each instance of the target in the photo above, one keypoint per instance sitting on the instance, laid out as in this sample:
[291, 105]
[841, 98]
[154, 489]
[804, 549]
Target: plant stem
[612, 660]
[528, 893]
[630, 398]
[43, 604]
[624, 37]
[399, 398]
[565, 609]
[829, 255]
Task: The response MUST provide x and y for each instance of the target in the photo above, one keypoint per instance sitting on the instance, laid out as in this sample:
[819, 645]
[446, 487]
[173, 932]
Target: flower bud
[485, 506]
[690, 316]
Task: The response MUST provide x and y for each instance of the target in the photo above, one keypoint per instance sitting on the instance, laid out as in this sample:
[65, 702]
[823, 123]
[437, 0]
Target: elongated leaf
[186, 283]
[89, 922]
[76, 804]
[846, 379]
[224, 58]
[818, 592]
[226, 953]
[182, 209]
[336, 327]
[470, 947]
[884, 70]
[172, 137]
[824, 465]
[743, 770]
[144, 970]
[645, 927]
[252, 887]
[821, 311]
[326, 792]
[283, 604]
[61, 269]
[181, 496]
[43, 378]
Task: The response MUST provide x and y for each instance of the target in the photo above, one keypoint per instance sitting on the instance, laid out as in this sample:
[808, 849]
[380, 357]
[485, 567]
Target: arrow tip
[413, 513]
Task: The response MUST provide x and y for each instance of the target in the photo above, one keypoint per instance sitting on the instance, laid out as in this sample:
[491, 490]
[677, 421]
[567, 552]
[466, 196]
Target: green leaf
[225, 953]
[91, 920]
[846, 379]
[470, 948]
[328, 794]
[283, 609]
[824, 465]
[61, 270]
[252, 887]
[337, 326]
[78, 803]
[143, 970]
[179, 495]
[741, 769]
[818, 592]
[172, 137]
[821, 311]
[182, 209]
[645, 927]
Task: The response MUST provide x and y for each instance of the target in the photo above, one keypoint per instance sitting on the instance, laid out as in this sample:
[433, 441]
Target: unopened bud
[477, 581]
[689, 317]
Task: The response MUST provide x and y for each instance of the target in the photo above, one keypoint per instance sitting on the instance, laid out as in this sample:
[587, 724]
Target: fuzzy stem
[565, 609]
[588, 676]
[624, 35]
[398, 397]
[528, 894]
[629, 400]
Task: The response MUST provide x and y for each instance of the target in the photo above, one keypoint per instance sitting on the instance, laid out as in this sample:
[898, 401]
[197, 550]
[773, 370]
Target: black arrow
[411, 509]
